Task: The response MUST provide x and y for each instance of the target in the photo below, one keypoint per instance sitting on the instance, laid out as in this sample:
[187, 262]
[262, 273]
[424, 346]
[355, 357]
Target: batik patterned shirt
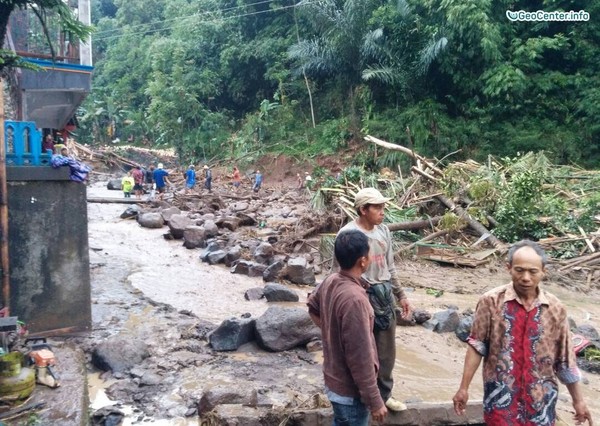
[525, 352]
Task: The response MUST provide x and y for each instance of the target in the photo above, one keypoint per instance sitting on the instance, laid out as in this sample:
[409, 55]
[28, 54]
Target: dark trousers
[386, 350]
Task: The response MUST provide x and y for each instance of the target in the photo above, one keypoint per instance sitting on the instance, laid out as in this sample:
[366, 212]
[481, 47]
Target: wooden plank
[107, 200]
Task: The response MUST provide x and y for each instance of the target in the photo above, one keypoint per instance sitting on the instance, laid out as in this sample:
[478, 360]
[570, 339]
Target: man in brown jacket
[341, 308]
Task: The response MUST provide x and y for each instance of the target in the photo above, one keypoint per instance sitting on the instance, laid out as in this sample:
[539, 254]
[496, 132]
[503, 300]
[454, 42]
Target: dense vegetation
[241, 77]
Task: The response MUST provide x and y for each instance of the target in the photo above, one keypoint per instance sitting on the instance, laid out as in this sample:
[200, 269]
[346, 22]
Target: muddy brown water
[128, 262]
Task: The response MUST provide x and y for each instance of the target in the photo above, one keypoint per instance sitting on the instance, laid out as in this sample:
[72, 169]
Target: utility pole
[4, 210]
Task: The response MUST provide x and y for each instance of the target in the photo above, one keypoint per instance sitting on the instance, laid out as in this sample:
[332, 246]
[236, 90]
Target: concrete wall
[48, 245]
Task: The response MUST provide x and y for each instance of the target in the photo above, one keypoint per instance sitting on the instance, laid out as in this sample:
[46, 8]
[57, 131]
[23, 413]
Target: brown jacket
[350, 356]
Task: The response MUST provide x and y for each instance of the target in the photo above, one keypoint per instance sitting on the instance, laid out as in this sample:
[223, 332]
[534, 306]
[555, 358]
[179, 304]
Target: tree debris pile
[446, 212]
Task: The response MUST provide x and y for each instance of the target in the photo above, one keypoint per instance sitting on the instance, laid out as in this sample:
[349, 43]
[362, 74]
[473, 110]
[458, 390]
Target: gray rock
[263, 253]
[255, 293]
[280, 329]
[239, 207]
[232, 333]
[420, 316]
[131, 211]
[150, 379]
[443, 322]
[214, 257]
[208, 216]
[151, 220]
[211, 247]
[211, 228]
[273, 270]
[464, 328]
[120, 353]
[194, 237]
[588, 331]
[314, 346]
[233, 255]
[114, 184]
[226, 395]
[178, 223]
[279, 293]
[299, 271]
[228, 222]
[256, 269]
[169, 212]
[241, 267]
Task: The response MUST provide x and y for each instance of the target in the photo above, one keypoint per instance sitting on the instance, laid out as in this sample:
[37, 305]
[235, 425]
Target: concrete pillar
[85, 16]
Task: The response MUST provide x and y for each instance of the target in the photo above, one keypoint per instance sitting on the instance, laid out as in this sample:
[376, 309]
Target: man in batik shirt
[522, 333]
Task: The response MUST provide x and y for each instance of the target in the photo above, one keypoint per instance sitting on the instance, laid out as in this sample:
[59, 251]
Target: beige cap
[369, 196]
[160, 165]
[205, 167]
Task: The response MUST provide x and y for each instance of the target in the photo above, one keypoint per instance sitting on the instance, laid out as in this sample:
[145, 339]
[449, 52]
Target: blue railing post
[26, 146]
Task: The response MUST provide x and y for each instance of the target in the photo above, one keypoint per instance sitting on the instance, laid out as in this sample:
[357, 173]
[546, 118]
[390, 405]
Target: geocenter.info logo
[541, 15]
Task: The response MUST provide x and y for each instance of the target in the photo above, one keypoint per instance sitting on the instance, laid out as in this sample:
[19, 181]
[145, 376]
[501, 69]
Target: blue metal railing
[24, 144]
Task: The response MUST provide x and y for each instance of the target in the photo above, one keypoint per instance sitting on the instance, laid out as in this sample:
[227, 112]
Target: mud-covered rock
[232, 333]
[151, 220]
[214, 257]
[211, 246]
[211, 228]
[256, 269]
[221, 395]
[194, 237]
[420, 316]
[281, 329]
[273, 271]
[228, 222]
[279, 293]
[177, 225]
[588, 331]
[299, 271]
[107, 416]
[245, 219]
[464, 328]
[241, 267]
[120, 353]
[239, 207]
[114, 184]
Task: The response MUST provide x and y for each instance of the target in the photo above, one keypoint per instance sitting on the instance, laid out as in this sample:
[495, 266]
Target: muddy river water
[128, 261]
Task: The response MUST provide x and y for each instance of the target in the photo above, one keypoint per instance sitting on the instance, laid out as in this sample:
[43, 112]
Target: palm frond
[387, 75]
[431, 52]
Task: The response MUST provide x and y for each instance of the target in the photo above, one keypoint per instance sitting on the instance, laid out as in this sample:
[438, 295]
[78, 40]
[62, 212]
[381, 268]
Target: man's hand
[460, 402]
[406, 309]
[379, 415]
[582, 413]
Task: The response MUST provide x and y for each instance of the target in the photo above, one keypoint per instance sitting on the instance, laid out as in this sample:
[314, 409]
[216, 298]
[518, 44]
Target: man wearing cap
[384, 288]
[207, 178]
[160, 178]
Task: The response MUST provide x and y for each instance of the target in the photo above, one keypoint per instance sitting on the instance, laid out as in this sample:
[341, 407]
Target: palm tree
[346, 48]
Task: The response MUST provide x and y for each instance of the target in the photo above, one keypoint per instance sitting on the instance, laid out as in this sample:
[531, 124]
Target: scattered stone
[150, 379]
[281, 329]
[279, 293]
[194, 237]
[233, 255]
[443, 322]
[404, 322]
[299, 271]
[214, 257]
[212, 230]
[588, 331]
[228, 222]
[232, 333]
[239, 207]
[241, 267]
[177, 225]
[256, 269]
[225, 395]
[131, 211]
[107, 416]
[464, 328]
[246, 220]
[273, 270]
[119, 354]
[263, 253]
[151, 220]
[212, 246]
[255, 293]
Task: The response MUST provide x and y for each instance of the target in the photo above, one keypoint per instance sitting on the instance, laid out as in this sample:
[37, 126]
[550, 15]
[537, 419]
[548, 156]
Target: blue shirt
[258, 180]
[190, 177]
[159, 177]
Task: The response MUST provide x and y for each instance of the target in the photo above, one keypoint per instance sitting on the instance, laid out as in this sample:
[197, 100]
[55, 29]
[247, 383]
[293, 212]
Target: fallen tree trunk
[475, 225]
[416, 224]
[424, 240]
[103, 200]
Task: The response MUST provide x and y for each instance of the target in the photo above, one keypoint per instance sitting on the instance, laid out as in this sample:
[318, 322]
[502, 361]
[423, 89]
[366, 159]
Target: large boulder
[151, 220]
[263, 253]
[211, 228]
[299, 271]
[233, 255]
[178, 223]
[226, 395]
[232, 333]
[114, 184]
[279, 293]
[281, 329]
[443, 322]
[588, 331]
[246, 267]
[169, 212]
[119, 354]
[228, 222]
[194, 237]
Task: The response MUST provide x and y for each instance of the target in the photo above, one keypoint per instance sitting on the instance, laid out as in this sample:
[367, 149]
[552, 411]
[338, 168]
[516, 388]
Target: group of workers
[519, 330]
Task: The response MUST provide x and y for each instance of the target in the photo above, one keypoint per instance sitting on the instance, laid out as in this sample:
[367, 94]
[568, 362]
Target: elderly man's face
[526, 270]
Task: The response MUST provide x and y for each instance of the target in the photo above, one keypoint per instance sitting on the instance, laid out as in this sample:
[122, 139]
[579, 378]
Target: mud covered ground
[150, 288]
